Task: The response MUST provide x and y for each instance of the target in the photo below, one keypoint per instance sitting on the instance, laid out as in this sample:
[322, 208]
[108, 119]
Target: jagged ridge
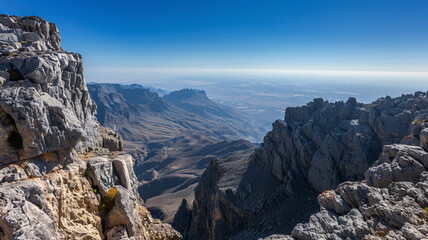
[316, 147]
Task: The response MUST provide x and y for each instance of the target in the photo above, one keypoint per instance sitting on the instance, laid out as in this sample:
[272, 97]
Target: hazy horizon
[327, 36]
[257, 56]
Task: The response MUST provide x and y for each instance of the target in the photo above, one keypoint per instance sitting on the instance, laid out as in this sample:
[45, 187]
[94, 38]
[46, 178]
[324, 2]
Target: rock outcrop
[183, 217]
[390, 203]
[317, 147]
[44, 103]
[62, 175]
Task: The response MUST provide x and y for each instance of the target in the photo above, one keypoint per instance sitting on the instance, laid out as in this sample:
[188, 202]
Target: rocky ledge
[62, 175]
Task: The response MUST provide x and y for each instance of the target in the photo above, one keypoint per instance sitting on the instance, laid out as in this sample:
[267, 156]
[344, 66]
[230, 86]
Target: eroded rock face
[390, 203]
[62, 175]
[55, 206]
[44, 100]
[317, 147]
[329, 143]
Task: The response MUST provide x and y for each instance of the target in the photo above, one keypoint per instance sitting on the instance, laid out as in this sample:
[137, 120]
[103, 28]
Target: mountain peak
[187, 93]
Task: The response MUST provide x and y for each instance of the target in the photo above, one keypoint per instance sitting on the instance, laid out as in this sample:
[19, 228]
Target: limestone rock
[117, 233]
[111, 140]
[390, 202]
[111, 171]
[123, 212]
[29, 29]
[58, 205]
[44, 102]
[56, 167]
[318, 146]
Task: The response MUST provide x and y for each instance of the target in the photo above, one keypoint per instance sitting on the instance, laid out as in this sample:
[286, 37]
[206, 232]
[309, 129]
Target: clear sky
[345, 35]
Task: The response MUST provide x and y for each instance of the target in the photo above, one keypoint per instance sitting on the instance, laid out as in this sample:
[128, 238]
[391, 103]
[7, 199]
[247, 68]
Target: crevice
[14, 138]
[14, 74]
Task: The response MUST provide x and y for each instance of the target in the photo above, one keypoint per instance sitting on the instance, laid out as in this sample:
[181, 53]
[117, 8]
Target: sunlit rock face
[44, 99]
[317, 147]
[62, 175]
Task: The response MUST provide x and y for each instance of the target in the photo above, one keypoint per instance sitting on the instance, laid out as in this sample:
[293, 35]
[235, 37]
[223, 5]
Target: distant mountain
[172, 138]
[130, 109]
[197, 102]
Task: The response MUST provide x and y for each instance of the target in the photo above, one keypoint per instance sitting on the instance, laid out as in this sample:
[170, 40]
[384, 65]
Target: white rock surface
[57, 163]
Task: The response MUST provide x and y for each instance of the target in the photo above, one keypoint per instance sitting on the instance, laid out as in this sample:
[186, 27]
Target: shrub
[108, 200]
[419, 121]
[89, 173]
[14, 139]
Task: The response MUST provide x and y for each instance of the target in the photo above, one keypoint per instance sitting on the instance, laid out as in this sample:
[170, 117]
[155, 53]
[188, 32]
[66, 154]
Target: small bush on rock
[89, 173]
[108, 200]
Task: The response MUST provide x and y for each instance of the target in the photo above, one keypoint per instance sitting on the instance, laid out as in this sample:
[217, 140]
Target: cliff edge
[62, 175]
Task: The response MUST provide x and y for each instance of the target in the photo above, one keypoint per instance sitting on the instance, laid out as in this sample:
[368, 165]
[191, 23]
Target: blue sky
[345, 35]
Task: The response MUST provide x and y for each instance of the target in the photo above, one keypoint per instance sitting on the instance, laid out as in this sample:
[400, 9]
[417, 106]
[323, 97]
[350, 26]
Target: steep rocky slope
[390, 203]
[62, 175]
[316, 147]
[172, 138]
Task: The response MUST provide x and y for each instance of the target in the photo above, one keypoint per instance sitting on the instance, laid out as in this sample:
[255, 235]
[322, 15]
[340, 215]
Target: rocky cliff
[390, 203]
[317, 147]
[62, 175]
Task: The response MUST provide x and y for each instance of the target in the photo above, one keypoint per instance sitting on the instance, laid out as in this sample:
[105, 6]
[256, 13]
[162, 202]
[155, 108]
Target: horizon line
[272, 71]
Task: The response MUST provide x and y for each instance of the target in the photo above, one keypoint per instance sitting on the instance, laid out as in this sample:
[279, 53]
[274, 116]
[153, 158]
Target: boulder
[390, 203]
